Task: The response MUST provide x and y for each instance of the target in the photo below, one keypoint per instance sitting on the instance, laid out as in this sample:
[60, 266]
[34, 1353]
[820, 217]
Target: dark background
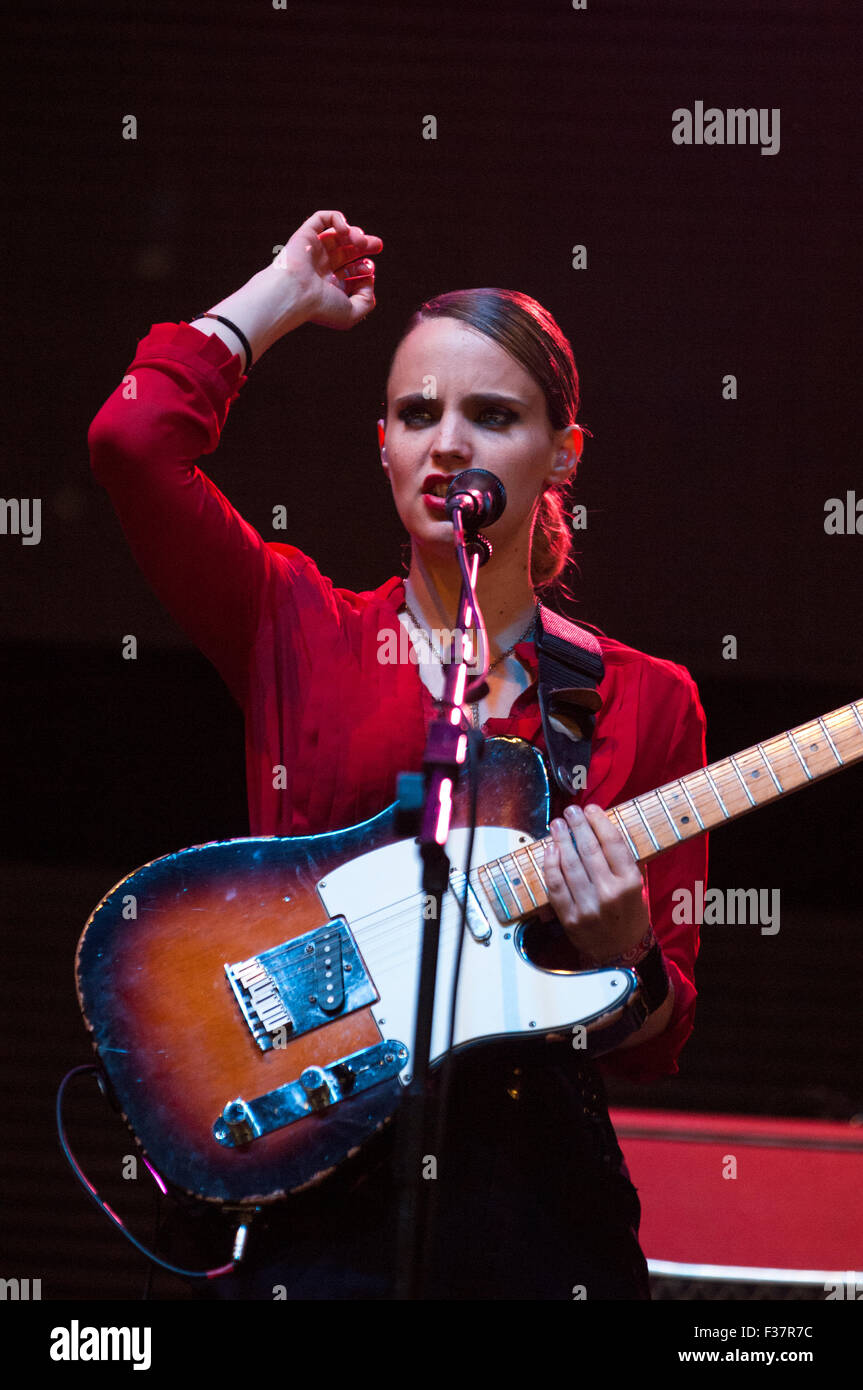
[706, 517]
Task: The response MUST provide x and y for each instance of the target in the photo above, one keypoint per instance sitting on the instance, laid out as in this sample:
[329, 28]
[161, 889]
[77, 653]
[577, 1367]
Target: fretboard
[701, 800]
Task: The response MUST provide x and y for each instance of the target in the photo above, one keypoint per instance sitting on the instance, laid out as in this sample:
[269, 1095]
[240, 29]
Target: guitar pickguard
[500, 994]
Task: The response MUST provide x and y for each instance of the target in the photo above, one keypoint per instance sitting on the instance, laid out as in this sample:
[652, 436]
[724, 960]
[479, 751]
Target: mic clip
[478, 545]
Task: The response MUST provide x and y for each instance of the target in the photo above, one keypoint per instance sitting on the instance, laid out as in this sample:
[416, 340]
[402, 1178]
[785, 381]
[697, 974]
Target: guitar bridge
[316, 1090]
[301, 984]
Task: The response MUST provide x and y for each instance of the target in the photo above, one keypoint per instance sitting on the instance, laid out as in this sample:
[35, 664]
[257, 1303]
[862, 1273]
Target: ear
[570, 444]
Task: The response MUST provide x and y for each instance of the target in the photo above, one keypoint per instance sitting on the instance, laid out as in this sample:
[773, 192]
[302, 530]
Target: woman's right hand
[327, 261]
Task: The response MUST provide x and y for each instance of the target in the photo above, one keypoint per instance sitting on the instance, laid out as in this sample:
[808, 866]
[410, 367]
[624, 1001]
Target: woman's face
[457, 400]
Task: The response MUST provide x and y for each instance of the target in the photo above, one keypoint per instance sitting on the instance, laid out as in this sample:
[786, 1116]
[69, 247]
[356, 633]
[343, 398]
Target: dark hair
[529, 333]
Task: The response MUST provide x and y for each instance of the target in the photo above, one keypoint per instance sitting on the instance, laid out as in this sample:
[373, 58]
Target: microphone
[478, 495]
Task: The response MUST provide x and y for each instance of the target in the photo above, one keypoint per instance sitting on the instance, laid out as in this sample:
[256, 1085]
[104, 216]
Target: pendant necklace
[523, 638]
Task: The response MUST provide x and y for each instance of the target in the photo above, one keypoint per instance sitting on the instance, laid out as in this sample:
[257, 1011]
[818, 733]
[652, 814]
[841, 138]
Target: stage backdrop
[676, 183]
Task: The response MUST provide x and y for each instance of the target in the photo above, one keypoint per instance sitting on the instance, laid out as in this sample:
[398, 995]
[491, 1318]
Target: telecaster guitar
[252, 1000]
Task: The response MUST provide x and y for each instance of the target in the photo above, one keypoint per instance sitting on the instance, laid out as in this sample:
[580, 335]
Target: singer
[533, 1197]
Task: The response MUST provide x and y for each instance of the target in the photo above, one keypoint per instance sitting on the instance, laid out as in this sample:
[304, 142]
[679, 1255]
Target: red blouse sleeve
[204, 562]
[672, 725]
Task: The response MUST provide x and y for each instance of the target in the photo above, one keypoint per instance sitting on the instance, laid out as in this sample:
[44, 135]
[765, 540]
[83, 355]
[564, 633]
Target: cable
[103, 1206]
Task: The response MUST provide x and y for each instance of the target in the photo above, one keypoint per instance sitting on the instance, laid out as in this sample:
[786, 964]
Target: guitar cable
[88, 1187]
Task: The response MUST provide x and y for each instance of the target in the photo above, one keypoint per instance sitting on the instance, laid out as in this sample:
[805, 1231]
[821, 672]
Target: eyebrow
[476, 398]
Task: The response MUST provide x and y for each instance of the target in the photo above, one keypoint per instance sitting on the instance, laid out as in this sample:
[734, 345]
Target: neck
[503, 588]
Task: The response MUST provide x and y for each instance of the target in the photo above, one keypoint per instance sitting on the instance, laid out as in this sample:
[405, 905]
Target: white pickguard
[500, 992]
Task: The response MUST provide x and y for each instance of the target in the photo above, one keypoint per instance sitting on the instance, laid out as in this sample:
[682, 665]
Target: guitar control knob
[321, 1090]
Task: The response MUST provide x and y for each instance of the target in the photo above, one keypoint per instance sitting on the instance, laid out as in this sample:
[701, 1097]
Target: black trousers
[532, 1201]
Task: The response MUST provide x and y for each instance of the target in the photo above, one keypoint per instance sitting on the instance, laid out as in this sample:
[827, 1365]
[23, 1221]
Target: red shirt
[301, 656]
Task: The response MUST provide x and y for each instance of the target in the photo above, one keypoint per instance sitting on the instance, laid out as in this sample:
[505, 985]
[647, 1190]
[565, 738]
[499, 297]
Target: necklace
[523, 638]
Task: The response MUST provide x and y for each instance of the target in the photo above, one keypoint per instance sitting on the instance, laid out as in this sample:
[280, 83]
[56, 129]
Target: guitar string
[387, 940]
[377, 924]
[381, 925]
[782, 759]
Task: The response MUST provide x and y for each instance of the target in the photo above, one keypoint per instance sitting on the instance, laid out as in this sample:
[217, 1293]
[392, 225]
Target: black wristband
[653, 978]
[234, 329]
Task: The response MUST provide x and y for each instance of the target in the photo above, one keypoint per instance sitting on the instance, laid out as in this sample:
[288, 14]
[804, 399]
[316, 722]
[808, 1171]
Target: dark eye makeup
[501, 414]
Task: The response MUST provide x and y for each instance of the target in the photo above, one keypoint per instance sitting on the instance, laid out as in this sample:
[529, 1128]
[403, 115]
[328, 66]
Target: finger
[343, 253]
[570, 893]
[342, 257]
[365, 244]
[355, 271]
[362, 301]
[615, 849]
[590, 850]
[567, 862]
[555, 882]
[326, 221]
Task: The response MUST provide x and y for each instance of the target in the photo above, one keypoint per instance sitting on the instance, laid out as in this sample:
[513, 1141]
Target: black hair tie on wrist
[234, 329]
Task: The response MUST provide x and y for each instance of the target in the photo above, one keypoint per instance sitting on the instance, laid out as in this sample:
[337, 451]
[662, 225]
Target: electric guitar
[252, 1000]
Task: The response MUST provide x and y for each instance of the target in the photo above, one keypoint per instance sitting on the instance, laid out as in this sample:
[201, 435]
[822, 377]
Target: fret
[668, 813]
[529, 851]
[522, 878]
[742, 780]
[835, 751]
[487, 870]
[509, 886]
[653, 839]
[769, 765]
[713, 787]
[844, 726]
[684, 789]
[618, 816]
[831, 742]
[762, 787]
[792, 740]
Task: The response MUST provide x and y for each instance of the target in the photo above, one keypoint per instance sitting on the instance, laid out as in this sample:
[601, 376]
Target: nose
[451, 442]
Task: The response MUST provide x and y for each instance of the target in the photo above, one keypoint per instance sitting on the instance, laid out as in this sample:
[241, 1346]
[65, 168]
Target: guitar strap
[570, 670]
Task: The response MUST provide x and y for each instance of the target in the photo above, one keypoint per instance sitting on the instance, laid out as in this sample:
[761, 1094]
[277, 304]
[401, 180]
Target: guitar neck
[695, 803]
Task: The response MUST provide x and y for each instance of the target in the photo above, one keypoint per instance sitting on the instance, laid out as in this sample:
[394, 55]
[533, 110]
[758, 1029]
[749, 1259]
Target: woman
[534, 1200]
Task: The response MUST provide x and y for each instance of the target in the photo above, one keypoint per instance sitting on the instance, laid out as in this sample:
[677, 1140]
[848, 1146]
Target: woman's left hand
[594, 885]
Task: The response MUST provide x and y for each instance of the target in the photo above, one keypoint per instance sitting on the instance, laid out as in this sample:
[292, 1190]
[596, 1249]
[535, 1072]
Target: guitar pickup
[330, 987]
[301, 984]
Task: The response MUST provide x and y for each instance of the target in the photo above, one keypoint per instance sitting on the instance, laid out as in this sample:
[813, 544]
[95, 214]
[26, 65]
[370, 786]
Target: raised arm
[204, 562]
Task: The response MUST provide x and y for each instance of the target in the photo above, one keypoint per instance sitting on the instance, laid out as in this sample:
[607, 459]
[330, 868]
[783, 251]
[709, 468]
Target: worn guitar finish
[180, 1039]
[252, 1000]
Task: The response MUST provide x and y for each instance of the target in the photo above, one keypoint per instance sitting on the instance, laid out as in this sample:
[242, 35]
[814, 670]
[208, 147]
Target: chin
[434, 539]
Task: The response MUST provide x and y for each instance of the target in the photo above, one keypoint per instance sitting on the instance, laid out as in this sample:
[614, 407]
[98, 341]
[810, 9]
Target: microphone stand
[445, 755]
